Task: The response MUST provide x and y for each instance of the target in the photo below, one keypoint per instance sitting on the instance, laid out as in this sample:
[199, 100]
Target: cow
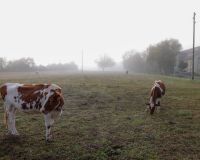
[31, 98]
[157, 91]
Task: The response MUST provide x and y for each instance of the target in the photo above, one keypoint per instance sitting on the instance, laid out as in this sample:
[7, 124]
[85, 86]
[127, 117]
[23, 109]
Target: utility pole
[193, 45]
[104, 61]
[82, 61]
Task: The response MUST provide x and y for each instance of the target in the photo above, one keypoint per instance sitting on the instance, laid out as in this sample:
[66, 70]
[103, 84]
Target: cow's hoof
[12, 134]
[16, 134]
[49, 138]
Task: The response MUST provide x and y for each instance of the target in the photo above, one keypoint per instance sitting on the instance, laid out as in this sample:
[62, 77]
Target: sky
[58, 31]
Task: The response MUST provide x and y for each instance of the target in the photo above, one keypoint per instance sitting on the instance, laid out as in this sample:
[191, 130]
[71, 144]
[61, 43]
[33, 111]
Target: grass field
[104, 119]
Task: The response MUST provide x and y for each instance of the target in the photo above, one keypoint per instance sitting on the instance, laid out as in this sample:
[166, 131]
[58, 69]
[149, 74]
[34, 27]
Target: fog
[60, 31]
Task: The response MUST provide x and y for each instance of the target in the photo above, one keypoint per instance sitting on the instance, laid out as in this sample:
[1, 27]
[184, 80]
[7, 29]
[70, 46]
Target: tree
[105, 62]
[2, 64]
[133, 61]
[28, 64]
[62, 67]
[162, 56]
[182, 65]
[20, 65]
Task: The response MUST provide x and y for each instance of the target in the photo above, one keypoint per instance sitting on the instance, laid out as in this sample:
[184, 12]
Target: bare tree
[105, 62]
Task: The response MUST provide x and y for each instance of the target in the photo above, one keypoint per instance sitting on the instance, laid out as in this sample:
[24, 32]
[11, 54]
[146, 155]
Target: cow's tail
[2, 93]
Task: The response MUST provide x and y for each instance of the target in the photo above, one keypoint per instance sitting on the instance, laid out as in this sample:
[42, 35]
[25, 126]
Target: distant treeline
[159, 58]
[28, 64]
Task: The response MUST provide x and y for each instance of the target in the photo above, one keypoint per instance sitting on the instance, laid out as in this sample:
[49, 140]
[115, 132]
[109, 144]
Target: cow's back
[29, 97]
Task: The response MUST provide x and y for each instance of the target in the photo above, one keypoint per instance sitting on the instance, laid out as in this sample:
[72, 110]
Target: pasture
[104, 118]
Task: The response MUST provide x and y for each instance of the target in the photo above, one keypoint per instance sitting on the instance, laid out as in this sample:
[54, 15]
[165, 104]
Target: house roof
[187, 54]
[197, 49]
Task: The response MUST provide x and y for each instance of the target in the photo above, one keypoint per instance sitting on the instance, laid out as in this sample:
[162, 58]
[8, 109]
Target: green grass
[104, 118]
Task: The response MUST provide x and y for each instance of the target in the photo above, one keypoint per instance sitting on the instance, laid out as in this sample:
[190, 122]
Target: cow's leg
[5, 116]
[147, 109]
[10, 119]
[158, 105]
[48, 124]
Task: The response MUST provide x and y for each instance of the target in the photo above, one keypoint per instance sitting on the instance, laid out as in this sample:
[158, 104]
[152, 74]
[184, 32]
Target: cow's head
[152, 107]
[55, 102]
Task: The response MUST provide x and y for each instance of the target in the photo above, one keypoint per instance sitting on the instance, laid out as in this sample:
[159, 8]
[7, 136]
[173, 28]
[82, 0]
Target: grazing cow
[31, 98]
[157, 91]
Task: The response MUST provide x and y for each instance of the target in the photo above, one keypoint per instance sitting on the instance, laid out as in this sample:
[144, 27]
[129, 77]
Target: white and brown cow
[31, 98]
[157, 91]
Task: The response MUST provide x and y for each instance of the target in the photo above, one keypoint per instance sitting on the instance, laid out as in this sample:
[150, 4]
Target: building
[186, 56]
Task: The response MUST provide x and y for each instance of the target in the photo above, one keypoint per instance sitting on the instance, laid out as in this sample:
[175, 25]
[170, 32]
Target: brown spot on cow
[26, 88]
[45, 94]
[31, 106]
[156, 93]
[29, 92]
[162, 86]
[38, 105]
[24, 106]
[3, 91]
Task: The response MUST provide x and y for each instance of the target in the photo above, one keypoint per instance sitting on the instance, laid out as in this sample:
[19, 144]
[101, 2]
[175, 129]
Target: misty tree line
[28, 64]
[159, 58]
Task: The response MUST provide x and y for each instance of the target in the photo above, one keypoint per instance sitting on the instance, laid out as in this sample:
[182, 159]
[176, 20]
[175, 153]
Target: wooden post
[82, 61]
[193, 46]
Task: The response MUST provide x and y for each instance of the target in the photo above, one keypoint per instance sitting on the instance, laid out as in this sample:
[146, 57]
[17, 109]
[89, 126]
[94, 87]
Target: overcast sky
[58, 31]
